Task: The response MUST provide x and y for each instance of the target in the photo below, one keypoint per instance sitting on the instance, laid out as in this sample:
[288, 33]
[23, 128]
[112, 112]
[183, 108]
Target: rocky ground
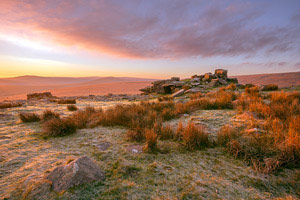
[173, 173]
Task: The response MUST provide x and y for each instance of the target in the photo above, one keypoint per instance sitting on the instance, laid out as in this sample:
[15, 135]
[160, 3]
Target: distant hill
[18, 87]
[115, 80]
[281, 79]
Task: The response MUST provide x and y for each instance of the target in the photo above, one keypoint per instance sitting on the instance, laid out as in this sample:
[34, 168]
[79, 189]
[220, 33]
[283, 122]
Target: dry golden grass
[252, 91]
[29, 117]
[196, 95]
[278, 146]
[66, 101]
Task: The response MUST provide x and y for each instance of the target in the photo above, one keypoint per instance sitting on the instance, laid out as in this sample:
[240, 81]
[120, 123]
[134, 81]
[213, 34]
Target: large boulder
[221, 73]
[79, 171]
[208, 77]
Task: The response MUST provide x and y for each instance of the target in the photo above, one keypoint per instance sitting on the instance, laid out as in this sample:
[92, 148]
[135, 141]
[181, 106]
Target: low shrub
[9, 105]
[72, 108]
[66, 101]
[56, 127]
[48, 114]
[270, 87]
[194, 137]
[81, 118]
[29, 117]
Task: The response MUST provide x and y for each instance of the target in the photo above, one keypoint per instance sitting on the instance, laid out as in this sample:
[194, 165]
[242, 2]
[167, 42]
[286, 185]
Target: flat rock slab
[79, 171]
[178, 93]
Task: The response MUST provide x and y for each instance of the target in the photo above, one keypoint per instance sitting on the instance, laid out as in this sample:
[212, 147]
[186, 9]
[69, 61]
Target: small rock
[135, 149]
[79, 171]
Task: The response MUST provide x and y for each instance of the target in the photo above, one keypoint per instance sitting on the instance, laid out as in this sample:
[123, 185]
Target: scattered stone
[178, 93]
[79, 171]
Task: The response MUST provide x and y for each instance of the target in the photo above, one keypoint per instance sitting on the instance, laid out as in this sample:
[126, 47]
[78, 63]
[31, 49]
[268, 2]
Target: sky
[151, 39]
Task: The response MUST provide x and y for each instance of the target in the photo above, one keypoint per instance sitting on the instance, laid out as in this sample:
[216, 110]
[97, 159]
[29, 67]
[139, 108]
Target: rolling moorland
[228, 141]
[18, 87]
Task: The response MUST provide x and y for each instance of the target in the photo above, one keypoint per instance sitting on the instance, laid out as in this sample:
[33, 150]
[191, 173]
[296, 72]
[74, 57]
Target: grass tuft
[195, 137]
[48, 114]
[56, 127]
[29, 117]
[72, 108]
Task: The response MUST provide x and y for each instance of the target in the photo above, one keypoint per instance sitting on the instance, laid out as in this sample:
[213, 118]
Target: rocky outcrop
[38, 96]
[79, 171]
[169, 86]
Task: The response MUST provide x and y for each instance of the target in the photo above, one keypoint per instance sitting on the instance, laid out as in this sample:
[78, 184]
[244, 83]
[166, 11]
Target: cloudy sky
[157, 38]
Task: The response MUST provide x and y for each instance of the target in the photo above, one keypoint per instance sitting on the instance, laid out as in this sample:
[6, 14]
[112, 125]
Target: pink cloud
[168, 29]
